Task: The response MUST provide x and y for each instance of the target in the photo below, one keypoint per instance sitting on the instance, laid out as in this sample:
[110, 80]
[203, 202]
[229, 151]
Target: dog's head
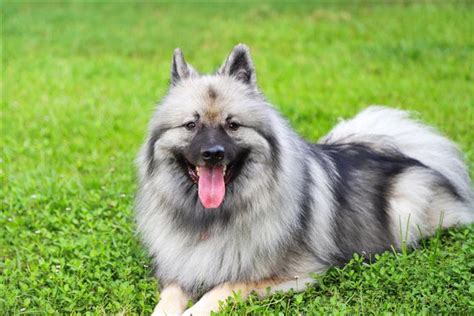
[215, 130]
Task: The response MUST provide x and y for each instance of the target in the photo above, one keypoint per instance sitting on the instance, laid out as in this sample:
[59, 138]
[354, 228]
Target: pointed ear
[180, 69]
[239, 65]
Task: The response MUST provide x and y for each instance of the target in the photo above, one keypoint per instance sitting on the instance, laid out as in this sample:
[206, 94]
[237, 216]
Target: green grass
[79, 83]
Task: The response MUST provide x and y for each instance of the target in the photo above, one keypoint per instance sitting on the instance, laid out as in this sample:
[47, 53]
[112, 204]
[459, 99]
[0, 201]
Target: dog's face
[216, 128]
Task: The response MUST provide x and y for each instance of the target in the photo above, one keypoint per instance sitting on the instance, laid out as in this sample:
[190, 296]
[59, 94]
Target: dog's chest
[208, 257]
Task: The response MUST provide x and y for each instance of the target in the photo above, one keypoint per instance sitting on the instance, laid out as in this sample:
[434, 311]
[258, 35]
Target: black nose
[213, 154]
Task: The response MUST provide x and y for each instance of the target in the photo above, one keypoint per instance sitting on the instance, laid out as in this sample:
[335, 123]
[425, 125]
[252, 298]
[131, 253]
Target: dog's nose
[213, 155]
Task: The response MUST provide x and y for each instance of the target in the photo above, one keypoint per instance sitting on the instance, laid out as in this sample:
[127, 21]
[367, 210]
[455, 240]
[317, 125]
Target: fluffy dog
[231, 199]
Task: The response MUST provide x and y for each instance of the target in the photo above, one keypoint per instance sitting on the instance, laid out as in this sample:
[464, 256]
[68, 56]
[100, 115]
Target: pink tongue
[211, 186]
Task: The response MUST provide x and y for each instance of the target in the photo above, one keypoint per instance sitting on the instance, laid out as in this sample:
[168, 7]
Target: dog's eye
[190, 125]
[233, 126]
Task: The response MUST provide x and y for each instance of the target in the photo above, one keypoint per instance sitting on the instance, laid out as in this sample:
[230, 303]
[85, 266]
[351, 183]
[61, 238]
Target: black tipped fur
[155, 135]
[274, 144]
[239, 65]
[179, 68]
[359, 171]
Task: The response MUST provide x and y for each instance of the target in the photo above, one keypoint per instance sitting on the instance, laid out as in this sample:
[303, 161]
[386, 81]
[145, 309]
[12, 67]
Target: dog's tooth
[225, 167]
[197, 171]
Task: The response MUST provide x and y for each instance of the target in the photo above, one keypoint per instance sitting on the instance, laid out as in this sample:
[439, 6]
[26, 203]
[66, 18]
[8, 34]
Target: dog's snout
[213, 155]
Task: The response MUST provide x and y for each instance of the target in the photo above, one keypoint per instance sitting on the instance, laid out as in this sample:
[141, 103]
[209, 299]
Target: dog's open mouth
[211, 181]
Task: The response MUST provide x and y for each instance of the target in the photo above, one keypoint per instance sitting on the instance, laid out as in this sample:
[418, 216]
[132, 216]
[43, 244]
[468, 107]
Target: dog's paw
[195, 312]
[168, 311]
[201, 310]
[162, 313]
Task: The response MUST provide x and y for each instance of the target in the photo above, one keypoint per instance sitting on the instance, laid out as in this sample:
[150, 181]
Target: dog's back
[434, 192]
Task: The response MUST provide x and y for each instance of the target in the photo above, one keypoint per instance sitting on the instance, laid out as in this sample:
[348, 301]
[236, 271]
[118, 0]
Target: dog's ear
[179, 68]
[239, 65]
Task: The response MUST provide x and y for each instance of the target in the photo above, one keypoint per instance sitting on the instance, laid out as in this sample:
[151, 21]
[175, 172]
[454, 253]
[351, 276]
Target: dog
[232, 200]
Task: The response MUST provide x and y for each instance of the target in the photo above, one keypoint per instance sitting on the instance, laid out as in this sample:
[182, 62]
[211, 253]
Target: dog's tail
[382, 127]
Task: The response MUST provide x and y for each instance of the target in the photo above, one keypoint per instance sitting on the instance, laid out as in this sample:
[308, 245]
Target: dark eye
[190, 125]
[233, 126]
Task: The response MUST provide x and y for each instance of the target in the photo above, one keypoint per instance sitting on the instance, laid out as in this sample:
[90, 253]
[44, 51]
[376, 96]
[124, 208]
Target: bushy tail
[381, 126]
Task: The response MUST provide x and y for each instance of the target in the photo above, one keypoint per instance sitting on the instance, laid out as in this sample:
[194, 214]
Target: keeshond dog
[231, 199]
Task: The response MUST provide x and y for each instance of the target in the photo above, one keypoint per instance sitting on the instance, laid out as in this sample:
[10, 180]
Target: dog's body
[231, 198]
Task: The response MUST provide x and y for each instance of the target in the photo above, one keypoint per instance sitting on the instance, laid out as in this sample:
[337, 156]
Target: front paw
[163, 313]
[201, 310]
[195, 312]
[166, 311]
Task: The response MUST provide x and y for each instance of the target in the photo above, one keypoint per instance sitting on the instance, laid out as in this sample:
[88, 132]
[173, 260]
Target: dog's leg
[172, 302]
[210, 301]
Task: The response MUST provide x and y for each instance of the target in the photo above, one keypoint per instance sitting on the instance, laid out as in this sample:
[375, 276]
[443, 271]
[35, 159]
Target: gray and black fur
[291, 207]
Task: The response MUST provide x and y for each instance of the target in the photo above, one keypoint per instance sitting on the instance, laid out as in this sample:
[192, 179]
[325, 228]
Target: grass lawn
[80, 81]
